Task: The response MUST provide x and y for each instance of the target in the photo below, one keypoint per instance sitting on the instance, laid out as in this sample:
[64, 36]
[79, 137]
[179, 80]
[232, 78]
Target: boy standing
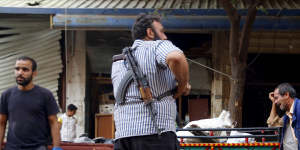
[67, 124]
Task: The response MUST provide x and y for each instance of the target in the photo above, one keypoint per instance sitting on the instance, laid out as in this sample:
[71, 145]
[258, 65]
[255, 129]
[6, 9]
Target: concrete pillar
[76, 75]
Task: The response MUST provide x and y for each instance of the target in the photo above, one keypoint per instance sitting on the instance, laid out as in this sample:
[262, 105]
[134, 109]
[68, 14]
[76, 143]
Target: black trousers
[165, 141]
[28, 148]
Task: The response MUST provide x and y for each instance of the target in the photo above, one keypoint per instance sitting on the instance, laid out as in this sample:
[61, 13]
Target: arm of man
[3, 121]
[54, 130]
[59, 120]
[272, 117]
[274, 120]
[178, 64]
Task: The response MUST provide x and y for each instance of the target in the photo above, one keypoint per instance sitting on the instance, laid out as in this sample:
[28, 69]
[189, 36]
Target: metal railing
[257, 132]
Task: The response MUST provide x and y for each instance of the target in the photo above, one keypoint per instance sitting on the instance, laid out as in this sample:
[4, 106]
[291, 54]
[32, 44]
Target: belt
[168, 93]
[158, 98]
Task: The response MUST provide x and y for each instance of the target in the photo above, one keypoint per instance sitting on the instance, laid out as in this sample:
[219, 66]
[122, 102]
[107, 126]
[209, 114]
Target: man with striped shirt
[165, 68]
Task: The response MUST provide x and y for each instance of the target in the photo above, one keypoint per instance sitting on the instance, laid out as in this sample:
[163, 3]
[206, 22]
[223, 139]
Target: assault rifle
[138, 76]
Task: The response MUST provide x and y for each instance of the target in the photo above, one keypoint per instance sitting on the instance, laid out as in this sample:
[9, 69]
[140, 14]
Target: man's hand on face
[271, 97]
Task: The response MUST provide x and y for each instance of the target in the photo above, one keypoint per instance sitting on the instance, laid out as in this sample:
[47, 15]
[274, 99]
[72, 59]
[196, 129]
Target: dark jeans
[165, 141]
[31, 148]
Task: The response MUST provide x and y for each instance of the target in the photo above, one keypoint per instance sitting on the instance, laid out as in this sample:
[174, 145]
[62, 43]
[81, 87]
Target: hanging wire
[290, 42]
[275, 45]
[259, 50]
[66, 33]
[212, 69]
[66, 51]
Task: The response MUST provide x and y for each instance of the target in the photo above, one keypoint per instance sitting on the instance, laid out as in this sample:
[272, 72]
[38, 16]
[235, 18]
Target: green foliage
[161, 13]
[234, 2]
[264, 10]
[156, 12]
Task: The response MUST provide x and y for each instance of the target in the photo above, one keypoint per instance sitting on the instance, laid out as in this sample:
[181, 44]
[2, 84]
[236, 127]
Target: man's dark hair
[72, 107]
[284, 88]
[33, 62]
[142, 23]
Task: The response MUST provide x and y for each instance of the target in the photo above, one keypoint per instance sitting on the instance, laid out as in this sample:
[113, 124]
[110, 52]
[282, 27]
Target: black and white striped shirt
[134, 118]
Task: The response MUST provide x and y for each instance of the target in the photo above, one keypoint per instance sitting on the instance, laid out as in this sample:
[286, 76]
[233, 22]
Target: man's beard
[25, 81]
[280, 112]
[155, 35]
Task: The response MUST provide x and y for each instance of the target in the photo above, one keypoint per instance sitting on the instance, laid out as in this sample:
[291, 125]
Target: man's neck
[27, 87]
[290, 104]
[147, 39]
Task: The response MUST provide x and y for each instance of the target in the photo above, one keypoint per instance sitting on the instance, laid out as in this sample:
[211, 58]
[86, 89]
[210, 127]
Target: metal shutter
[30, 37]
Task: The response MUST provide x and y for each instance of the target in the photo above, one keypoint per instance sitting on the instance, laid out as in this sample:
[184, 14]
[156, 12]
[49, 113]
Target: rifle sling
[123, 86]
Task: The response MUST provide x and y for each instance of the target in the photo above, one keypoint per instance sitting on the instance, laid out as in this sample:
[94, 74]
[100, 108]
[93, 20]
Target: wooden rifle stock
[146, 94]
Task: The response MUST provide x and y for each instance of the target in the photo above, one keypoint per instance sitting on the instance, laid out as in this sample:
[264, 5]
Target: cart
[265, 139]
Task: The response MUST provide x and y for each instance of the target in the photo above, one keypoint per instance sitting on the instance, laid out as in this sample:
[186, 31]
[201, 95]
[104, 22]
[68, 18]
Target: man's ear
[150, 33]
[34, 73]
[287, 94]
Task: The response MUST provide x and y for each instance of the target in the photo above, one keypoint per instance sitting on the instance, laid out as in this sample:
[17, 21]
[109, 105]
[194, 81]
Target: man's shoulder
[42, 89]
[152, 43]
[165, 45]
[13, 88]
[160, 42]
[62, 116]
[297, 107]
[10, 90]
[74, 118]
[297, 102]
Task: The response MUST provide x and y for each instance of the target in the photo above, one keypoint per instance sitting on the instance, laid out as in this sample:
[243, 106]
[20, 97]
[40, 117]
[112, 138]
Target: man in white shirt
[67, 124]
[141, 125]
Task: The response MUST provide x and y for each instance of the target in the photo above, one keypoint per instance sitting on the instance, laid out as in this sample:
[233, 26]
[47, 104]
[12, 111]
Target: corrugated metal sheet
[146, 4]
[33, 38]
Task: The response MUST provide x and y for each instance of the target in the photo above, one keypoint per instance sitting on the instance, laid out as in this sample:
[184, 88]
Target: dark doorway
[264, 72]
[197, 105]
[194, 45]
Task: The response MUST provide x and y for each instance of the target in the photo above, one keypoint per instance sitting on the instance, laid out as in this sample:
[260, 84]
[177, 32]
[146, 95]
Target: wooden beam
[220, 84]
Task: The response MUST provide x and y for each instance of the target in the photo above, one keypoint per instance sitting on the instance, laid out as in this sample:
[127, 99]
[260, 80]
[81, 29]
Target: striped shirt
[134, 118]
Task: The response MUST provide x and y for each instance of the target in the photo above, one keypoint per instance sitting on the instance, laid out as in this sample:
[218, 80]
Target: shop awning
[178, 14]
